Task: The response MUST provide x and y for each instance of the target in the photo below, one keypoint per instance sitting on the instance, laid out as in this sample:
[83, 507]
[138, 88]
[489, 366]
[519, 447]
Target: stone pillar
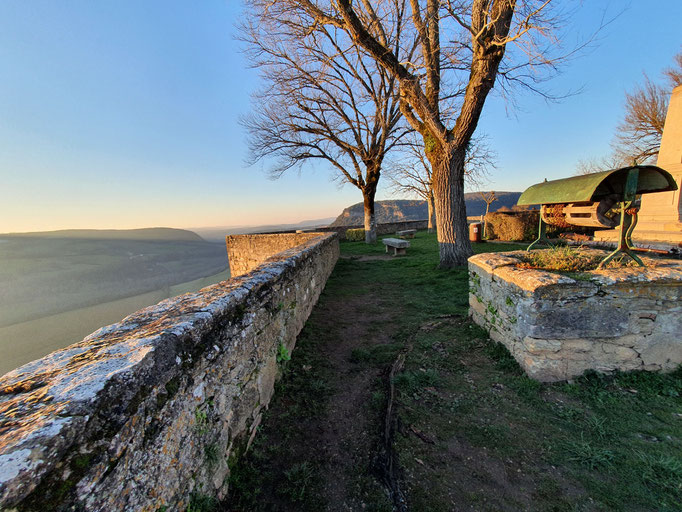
[660, 217]
[663, 211]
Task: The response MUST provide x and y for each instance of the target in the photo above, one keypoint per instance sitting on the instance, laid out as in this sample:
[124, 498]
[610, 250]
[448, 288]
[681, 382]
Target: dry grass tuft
[570, 259]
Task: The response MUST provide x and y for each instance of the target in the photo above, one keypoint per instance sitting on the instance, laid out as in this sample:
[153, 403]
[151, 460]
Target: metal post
[628, 221]
[542, 234]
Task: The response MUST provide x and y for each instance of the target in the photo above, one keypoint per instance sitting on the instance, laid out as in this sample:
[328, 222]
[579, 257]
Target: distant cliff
[406, 209]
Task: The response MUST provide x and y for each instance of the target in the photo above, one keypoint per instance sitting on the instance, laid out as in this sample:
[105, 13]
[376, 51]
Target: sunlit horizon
[126, 115]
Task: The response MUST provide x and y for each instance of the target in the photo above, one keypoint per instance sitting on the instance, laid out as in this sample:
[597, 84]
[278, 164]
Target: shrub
[522, 225]
[355, 235]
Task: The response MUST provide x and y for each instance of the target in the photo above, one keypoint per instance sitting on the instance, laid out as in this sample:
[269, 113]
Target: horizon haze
[126, 115]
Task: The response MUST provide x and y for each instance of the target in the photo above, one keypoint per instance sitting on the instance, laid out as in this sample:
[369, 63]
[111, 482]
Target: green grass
[489, 437]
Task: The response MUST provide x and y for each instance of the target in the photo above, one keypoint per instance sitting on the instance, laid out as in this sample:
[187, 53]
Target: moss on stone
[137, 399]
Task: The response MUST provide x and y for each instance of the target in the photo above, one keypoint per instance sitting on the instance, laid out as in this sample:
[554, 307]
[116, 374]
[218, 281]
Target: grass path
[471, 431]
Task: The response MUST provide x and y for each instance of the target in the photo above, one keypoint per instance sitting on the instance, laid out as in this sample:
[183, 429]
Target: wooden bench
[406, 233]
[396, 244]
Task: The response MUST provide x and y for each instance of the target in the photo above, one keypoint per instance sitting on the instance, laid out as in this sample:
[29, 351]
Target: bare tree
[323, 99]
[674, 74]
[413, 174]
[465, 46]
[592, 165]
[489, 198]
[638, 136]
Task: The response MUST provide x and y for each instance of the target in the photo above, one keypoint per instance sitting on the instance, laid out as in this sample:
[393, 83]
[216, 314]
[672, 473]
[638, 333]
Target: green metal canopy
[594, 187]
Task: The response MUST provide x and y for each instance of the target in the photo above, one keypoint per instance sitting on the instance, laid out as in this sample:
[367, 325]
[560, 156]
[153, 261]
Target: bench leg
[400, 251]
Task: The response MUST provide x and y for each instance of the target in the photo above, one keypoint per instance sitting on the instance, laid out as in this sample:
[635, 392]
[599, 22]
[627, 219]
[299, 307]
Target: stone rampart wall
[382, 229]
[558, 327]
[246, 252]
[148, 413]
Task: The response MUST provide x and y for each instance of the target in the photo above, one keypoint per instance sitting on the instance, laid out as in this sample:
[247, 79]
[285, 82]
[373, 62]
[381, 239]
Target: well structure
[558, 326]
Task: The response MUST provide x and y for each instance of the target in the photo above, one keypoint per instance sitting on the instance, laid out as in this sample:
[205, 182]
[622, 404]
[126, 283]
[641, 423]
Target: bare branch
[462, 50]
[323, 98]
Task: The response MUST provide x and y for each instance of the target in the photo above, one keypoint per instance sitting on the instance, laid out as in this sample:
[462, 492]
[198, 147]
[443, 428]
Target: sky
[125, 114]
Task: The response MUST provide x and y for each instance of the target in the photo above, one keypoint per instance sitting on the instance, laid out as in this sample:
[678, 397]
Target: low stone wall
[558, 327]
[246, 252]
[382, 229]
[145, 414]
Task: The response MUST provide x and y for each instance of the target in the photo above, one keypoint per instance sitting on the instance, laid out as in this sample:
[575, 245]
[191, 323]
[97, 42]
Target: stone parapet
[385, 228]
[144, 414]
[557, 326]
[246, 252]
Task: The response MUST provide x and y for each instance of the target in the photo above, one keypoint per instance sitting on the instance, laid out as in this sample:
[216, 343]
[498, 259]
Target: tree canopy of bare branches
[465, 46]
[324, 99]
[412, 175]
[638, 135]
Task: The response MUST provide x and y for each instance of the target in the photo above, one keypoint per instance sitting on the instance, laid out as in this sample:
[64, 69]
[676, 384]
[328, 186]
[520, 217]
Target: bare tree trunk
[432, 212]
[370, 219]
[451, 216]
[485, 220]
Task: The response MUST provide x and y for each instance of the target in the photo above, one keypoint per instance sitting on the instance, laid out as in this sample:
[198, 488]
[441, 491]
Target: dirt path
[317, 444]
[348, 432]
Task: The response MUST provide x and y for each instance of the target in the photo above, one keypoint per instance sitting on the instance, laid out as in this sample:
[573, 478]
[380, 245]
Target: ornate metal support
[628, 221]
[542, 235]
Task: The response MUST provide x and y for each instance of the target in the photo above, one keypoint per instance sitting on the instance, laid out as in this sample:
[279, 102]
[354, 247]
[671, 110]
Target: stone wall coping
[535, 280]
[307, 235]
[39, 400]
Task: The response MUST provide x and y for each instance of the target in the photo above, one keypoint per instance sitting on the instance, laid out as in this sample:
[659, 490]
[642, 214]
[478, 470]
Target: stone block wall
[557, 327]
[246, 252]
[382, 229]
[144, 414]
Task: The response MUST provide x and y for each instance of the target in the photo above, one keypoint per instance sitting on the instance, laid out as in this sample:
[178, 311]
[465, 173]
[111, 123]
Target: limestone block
[666, 354]
[538, 346]
[542, 369]
[616, 353]
[498, 336]
[577, 345]
[642, 322]
[266, 380]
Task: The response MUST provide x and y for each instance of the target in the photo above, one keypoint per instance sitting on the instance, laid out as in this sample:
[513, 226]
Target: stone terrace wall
[382, 229]
[246, 252]
[144, 414]
[558, 327]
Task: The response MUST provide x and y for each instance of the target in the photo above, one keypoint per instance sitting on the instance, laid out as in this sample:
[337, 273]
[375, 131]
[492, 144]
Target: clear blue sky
[120, 114]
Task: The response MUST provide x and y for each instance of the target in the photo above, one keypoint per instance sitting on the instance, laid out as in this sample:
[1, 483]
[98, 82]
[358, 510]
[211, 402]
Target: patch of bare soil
[336, 443]
[347, 434]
